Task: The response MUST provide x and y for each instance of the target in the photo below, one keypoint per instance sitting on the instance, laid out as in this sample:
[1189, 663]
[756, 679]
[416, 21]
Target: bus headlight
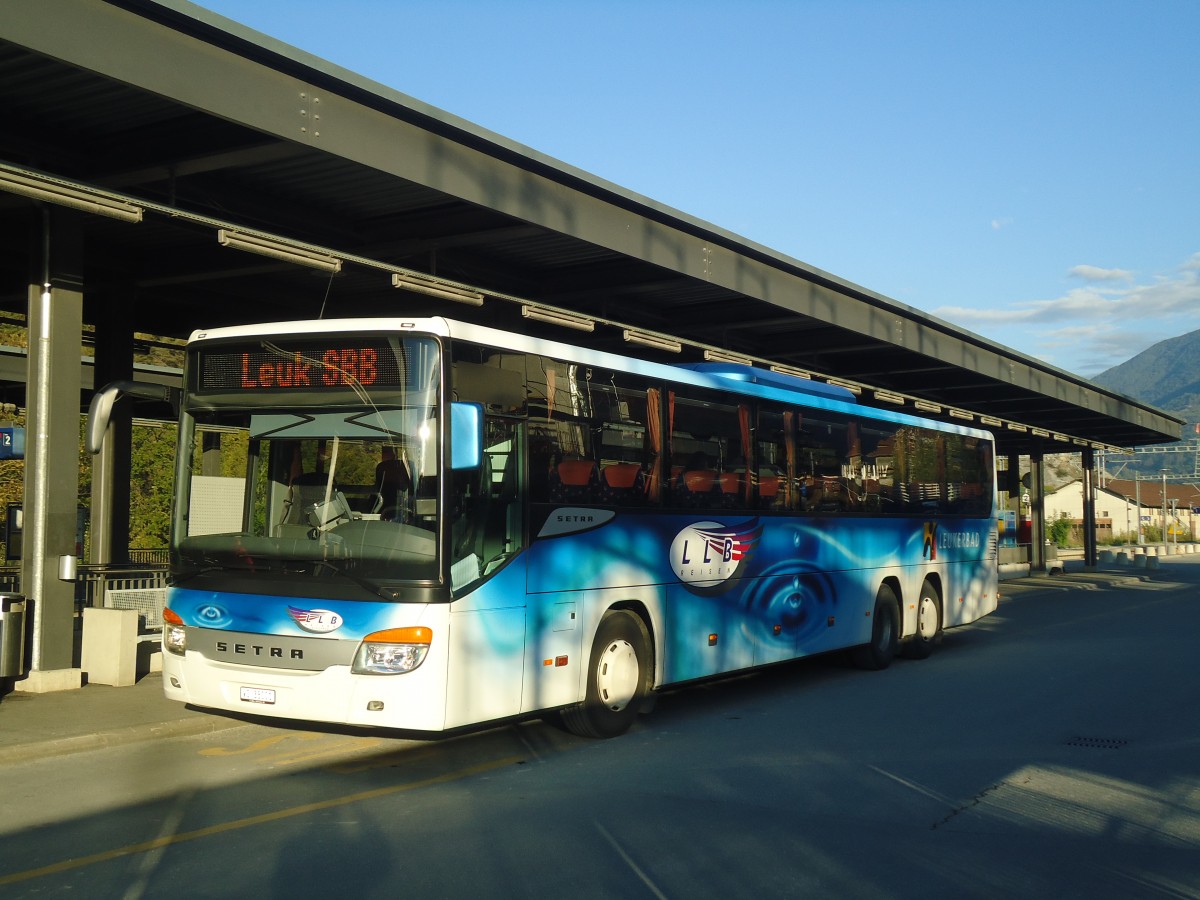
[174, 634]
[393, 651]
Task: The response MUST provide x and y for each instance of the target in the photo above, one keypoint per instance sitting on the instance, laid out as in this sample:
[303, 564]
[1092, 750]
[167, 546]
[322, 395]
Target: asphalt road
[1051, 750]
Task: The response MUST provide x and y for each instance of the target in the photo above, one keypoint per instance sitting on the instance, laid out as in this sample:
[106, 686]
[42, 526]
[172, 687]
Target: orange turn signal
[414, 635]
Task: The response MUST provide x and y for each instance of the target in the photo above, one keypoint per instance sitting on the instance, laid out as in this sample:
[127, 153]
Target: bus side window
[574, 481]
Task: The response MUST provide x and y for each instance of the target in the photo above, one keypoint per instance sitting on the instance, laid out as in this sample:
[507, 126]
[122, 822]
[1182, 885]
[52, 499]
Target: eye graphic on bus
[213, 616]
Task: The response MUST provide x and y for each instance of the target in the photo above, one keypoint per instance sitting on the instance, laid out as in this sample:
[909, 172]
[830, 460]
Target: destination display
[310, 367]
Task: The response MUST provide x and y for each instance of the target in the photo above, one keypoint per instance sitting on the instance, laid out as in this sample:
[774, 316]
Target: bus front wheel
[879, 652]
[618, 678]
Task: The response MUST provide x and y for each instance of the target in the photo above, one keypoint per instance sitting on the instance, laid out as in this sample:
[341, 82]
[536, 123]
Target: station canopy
[227, 178]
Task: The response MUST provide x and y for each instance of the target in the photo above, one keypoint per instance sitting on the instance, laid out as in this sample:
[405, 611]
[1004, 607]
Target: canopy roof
[213, 130]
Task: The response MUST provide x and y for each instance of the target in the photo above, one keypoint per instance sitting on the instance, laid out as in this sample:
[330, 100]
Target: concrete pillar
[55, 321]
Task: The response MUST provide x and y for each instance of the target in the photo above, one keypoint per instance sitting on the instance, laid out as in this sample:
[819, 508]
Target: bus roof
[742, 379]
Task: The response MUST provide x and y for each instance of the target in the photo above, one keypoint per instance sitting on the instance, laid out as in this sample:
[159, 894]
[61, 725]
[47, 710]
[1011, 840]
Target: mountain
[1167, 376]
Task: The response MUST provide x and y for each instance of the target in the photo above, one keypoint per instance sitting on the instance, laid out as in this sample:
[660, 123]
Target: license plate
[258, 695]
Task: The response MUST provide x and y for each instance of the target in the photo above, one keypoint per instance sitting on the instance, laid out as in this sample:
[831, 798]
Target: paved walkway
[34, 726]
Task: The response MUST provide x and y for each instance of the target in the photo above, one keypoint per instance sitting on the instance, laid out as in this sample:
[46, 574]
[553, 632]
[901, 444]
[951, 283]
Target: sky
[1028, 171]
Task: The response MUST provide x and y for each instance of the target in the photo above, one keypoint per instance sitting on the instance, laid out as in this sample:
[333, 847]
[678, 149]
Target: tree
[1060, 530]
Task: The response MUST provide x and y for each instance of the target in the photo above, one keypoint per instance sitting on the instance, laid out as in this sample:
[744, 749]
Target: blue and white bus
[424, 524]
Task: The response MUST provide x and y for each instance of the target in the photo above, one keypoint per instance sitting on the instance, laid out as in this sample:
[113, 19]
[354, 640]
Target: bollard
[110, 646]
[1123, 558]
[12, 635]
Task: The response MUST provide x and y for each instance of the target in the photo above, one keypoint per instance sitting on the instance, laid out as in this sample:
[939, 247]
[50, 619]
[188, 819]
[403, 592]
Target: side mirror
[466, 435]
[100, 409]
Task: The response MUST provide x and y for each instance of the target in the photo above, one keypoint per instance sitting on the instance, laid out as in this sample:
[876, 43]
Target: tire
[619, 678]
[929, 623]
[879, 652]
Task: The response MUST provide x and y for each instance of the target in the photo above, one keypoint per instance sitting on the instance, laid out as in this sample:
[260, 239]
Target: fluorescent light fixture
[961, 414]
[38, 188]
[1062, 437]
[443, 290]
[1014, 426]
[277, 249]
[926, 406]
[990, 422]
[1039, 432]
[652, 340]
[889, 397]
[795, 373]
[848, 385]
[1081, 442]
[557, 317]
[727, 357]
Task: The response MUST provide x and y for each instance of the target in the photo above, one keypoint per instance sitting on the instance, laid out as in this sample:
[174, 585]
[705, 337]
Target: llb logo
[705, 555]
[316, 621]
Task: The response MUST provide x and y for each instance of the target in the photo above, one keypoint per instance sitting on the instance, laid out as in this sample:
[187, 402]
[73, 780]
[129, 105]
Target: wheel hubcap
[927, 619]
[617, 675]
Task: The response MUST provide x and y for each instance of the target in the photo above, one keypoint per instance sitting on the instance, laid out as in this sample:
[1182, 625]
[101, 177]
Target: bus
[424, 524]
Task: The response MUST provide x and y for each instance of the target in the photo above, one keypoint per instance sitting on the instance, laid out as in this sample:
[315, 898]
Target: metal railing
[97, 581]
[94, 582]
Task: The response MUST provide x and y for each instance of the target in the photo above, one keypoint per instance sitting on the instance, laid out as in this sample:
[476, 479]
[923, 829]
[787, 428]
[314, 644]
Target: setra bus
[425, 524]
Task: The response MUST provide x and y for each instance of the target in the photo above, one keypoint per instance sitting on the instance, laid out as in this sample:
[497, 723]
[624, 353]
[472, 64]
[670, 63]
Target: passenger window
[711, 462]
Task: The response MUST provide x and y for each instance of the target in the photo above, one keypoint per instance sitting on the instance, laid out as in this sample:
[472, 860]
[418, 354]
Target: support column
[55, 321]
[1090, 557]
[1037, 511]
[114, 362]
[1013, 480]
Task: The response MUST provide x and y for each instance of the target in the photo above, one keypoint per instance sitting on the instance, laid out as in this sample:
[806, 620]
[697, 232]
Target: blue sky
[1029, 171]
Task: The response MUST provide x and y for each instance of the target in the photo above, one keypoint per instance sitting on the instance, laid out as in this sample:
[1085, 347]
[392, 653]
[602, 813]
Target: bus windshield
[276, 488]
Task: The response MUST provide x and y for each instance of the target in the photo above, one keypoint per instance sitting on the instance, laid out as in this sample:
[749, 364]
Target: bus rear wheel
[929, 623]
[879, 652]
[618, 679]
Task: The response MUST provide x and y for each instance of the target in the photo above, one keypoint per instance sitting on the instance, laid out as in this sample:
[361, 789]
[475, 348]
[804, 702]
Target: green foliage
[1059, 530]
[151, 470]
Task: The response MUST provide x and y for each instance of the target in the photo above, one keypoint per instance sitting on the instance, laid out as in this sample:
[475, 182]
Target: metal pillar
[55, 321]
[1037, 511]
[110, 495]
[1090, 557]
[1013, 476]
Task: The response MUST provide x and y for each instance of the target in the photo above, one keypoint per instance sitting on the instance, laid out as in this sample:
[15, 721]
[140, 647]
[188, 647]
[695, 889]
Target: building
[1118, 511]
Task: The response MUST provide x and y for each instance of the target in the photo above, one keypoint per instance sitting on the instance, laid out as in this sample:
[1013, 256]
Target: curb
[116, 737]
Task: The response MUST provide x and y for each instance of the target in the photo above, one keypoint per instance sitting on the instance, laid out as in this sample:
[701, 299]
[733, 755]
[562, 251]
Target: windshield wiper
[366, 584]
[187, 575]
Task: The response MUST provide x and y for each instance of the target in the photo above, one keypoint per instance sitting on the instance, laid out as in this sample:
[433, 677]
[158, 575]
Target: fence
[141, 586]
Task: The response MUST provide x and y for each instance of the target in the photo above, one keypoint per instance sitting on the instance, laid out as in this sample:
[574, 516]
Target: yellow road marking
[353, 745]
[264, 818]
[250, 748]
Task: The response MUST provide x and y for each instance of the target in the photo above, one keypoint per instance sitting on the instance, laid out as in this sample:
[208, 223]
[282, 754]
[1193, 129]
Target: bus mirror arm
[100, 409]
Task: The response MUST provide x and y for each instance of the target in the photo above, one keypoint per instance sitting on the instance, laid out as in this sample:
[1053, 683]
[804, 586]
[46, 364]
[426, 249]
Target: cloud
[1095, 326]
[997, 224]
[1095, 273]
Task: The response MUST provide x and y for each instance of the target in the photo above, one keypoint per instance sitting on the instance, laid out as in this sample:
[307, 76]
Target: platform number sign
[12, 443]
